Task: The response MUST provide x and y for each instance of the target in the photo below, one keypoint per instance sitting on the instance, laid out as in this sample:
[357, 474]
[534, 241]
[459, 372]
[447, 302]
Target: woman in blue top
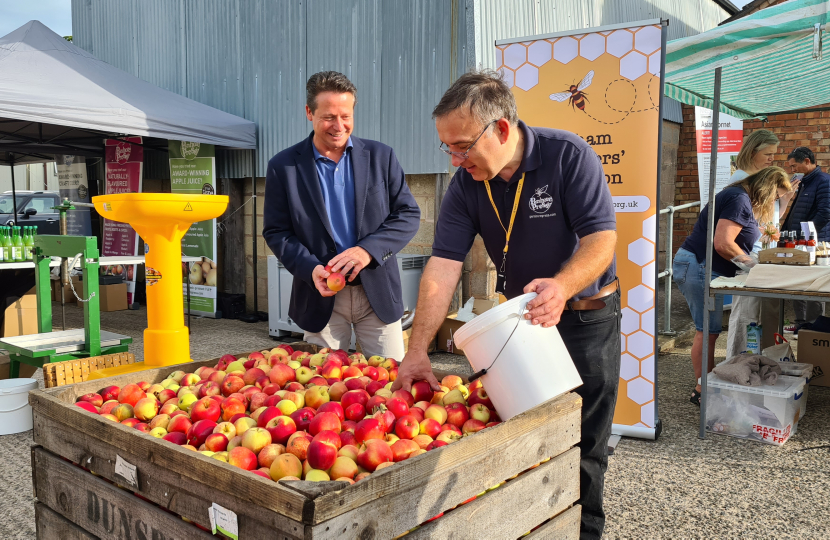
[738, 210]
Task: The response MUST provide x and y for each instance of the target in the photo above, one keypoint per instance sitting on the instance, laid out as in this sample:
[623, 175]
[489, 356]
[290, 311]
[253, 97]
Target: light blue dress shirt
[337, 183]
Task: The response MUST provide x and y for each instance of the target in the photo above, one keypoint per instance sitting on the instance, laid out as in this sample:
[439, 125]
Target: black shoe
[695, 397]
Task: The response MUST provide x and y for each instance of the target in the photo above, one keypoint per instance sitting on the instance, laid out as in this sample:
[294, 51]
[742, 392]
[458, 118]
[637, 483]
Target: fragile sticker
[151, 275]
[774, 435]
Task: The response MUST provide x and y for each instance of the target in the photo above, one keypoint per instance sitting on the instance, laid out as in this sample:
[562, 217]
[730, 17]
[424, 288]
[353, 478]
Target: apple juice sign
[192, 170]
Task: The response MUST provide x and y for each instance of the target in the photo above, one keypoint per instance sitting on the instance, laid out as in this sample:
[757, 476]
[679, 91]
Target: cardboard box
[407, 334]
[814, 348]
[446, 334]
[20, 317]
[113, 297]
[26, 371]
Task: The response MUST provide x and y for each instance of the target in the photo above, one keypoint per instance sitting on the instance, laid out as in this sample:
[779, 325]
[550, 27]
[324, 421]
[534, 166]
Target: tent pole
[14, 191]
[253, 227]
[710, 230]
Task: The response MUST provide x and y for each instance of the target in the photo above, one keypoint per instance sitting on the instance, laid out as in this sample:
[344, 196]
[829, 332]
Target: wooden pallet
[76, 371]
[176, 484]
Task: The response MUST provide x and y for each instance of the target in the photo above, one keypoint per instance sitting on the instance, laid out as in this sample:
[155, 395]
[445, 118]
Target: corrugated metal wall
[252, 57]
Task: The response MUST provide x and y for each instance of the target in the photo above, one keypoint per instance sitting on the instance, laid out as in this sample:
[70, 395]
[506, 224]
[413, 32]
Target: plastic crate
[798, 369]
[767, 414]
[232, 306]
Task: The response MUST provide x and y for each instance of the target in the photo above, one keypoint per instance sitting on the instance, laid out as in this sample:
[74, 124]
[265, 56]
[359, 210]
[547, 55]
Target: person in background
[757, 152]
[738, 210]
[811, 203]
[337, 203]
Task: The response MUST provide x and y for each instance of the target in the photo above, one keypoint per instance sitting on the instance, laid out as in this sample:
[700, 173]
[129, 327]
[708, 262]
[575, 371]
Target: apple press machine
[161, 219]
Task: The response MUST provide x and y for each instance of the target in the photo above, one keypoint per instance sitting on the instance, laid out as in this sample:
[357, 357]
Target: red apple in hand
[336, 281]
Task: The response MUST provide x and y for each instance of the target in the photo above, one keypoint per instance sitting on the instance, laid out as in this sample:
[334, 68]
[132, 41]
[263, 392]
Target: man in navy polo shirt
[546, 191]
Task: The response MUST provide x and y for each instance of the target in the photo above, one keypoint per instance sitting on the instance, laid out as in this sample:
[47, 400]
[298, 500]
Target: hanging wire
[220, 225]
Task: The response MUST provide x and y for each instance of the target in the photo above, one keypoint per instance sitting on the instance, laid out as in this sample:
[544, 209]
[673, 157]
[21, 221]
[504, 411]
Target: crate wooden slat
[565, 526]
[385, 505]
[51, 525]
[76, 371]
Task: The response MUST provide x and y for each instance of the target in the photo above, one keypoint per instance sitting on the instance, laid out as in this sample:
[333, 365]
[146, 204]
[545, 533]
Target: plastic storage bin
[798, 369]
[15, 411]
[767, 414]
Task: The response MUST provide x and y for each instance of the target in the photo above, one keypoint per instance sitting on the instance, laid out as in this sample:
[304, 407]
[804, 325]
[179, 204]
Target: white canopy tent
[56, 98]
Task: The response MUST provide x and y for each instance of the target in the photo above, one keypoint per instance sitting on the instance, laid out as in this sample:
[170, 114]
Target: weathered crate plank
[565, 526]
[514, 508]
[101, 508]
[181, 480]
[422, 487]
[51, 525]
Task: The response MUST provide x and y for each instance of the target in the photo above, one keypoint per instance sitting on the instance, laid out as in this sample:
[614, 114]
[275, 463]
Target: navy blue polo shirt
[564, 197]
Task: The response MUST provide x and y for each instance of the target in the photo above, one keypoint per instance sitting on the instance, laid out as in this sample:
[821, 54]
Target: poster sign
[124, 168]
[192, 170]
[730, 137]
[604, 85]
[73, 184]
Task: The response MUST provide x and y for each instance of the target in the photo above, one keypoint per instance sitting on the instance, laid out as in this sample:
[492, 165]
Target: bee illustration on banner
[575, 95]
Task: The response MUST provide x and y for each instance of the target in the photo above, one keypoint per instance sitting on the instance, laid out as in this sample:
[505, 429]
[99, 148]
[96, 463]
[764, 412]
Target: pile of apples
[290, 415]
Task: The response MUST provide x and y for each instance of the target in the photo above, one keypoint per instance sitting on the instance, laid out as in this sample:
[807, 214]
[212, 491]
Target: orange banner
[605, 87]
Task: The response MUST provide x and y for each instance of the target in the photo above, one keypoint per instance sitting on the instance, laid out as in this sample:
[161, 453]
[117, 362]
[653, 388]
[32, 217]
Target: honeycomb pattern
[638, 51]
[637, 48]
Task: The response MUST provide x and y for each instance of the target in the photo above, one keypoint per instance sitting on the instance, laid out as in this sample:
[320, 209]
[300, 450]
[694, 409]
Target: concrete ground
[676, 487]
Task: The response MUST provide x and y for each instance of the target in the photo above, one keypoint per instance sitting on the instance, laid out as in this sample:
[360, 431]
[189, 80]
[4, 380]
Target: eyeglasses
[465, 154]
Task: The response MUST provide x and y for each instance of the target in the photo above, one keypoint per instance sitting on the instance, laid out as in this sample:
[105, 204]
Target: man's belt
[598, 301]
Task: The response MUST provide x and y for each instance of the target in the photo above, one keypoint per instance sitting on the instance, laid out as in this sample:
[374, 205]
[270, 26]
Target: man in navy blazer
[337, 203]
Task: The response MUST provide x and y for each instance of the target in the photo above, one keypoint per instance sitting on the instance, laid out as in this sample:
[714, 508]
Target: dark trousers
[593, 340]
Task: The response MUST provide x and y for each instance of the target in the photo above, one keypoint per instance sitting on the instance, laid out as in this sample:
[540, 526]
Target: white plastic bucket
[534, 366]
[15, 411]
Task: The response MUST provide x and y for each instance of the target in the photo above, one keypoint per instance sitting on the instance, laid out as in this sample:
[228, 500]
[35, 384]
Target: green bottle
[28, 244]
[33, 234]
[7, 243]
[2, 244]
[17, 246]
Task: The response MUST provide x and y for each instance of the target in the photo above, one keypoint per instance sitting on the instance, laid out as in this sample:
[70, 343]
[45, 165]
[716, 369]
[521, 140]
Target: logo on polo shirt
[541, 202]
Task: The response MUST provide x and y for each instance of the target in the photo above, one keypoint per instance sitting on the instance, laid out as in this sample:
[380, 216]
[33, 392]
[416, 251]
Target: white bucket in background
[534, 366]
[15, 411]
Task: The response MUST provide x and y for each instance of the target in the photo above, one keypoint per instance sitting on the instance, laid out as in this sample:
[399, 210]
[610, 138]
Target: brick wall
[810, 129]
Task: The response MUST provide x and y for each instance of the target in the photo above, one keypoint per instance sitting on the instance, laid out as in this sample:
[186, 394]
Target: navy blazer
[298, 230]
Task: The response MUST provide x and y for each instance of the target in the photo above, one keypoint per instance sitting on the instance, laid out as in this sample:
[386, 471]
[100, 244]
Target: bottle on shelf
[27, 243]
[17, 246]
[8, 241]
[2, 244]
[789, 243]
[811, 248]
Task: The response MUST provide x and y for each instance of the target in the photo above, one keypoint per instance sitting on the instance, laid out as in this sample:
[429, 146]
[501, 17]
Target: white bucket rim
[17, 386]
[491, 318]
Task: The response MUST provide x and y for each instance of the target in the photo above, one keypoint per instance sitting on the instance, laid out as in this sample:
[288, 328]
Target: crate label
[126, 471]
[224, 521]
[776, 435]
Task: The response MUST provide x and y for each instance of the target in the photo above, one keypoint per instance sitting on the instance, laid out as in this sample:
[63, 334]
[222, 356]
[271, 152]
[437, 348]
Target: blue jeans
[690, 277]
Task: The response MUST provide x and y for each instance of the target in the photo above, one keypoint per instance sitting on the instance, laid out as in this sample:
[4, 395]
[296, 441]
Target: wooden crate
[75, 371]
[176, 484]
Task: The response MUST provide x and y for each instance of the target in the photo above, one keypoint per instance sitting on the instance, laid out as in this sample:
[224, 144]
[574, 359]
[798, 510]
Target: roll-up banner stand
[193, 170]
[604, 84]
[730, 138]
[73, 184]
[124, 173]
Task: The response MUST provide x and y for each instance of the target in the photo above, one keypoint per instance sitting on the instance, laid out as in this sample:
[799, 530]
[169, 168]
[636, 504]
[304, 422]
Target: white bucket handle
[483, 371]
[15, 409]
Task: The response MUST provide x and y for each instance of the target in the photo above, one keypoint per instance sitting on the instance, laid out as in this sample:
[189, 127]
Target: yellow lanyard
[509, 228]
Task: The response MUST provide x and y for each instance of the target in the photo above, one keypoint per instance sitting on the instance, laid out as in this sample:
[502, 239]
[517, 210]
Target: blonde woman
[757, 152]
[738, 210]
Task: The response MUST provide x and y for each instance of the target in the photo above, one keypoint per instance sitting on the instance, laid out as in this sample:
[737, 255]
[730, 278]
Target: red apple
[252, 375]
[142, 427]
[130, 394]
[373, 453]
[302, 418]
[199, 431]
[281, 428]
[355, 412]
[286, 465]
[264, 416]
[271, 389]
[368, 429]
[347, 438]
[450, 427]
[243, 458]
[131, 422]
[343, 467]
[457, 414]
[110, 393]
[436, 444]
[95, 399]
[421, 391]
[231, 384]
[209, 389]
[85, 405]
[371, 372]
[179, 423]
[354, 396]
[386, 418]
[317, 380]
[430, 427]
[317, 395]
[146, 409]
[423, 440]
[448, 437]
[336, 281]
[324, 421]
[417, 413]
[107, 407]
[407, 427]
[268, 454]
[258, 400]
[294, 386]
[398, 407]
[205, 409]
[405, 396]
[374, 402]
[176, 437]
[352, 371]
[298, 445]
[403, 448]
[355, 384]
[472, 426]
[225, 361]
[374, 386]
[337, 390]
[333, 407]
[216, 442]
[281, 374]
